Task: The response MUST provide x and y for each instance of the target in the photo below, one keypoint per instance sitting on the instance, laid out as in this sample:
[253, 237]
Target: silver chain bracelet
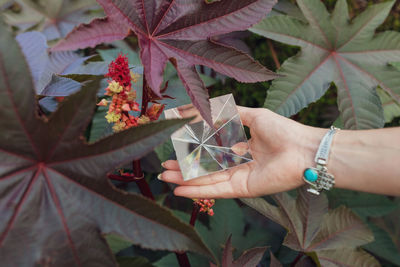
[318, 178]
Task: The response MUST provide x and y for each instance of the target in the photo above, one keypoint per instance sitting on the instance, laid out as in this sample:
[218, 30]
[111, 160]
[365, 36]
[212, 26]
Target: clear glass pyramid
[201, 149]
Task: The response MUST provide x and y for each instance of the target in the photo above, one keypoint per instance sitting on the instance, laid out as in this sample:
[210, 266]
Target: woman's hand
[281, 149]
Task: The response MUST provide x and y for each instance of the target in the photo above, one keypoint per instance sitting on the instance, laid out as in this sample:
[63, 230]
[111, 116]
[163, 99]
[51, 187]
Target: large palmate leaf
[55, 199]
[184, 32]
[335, 49]
[55, 18]
[333, 236]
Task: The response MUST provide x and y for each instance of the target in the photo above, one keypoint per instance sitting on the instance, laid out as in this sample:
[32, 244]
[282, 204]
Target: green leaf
[170, 260]
[53, 182]
[99, 126]
[396, 65]
[164, 151]
[391, 108]
[111, 54]
[4, 3]
[117, 243]
[335, 49]
[55, 18]
[363, 204]
[288, 8]
[383, 246]
[390, 224]
[133, 262]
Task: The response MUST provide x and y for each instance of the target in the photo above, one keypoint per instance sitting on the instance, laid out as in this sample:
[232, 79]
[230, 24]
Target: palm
[276, 167]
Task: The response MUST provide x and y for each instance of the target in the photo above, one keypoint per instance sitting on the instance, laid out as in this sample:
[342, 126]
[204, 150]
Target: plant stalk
[297, 259]
[144, 187]
[274, 55]
[195, 212]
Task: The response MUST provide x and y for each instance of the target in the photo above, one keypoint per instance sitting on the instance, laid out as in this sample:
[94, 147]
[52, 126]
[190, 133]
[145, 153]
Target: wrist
[309, 147]
[317, 176]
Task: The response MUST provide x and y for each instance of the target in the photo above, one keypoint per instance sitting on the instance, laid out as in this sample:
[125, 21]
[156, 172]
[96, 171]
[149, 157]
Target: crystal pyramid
[201, 149]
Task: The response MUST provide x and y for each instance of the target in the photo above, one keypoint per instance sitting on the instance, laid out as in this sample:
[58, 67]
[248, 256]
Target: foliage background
[247, 227]
[322, 113]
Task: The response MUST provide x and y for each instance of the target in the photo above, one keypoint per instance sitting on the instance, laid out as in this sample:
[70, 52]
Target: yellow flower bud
[112, 117]
[119, 126]
[143, 120]
[115, 87]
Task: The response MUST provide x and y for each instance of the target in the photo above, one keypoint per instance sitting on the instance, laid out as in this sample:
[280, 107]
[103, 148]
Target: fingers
[240, 148]
[219, 190]
[171, 176]
[172, 165]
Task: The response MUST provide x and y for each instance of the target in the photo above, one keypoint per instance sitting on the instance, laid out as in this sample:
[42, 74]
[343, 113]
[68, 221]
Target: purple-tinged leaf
[61, 86]
[341, 229]
[234, 39]
[55, 184]
[101, 30]
[274, 261]
[335, 49]
[227, 257]
[45, 66]
[155, 60]
[312, 209]
[195, 89]
[182, 31]
[306, 262]
[346, 257]
[34, 47]
[310, 227]
[218, 57]
[249, 258]
[268, 210]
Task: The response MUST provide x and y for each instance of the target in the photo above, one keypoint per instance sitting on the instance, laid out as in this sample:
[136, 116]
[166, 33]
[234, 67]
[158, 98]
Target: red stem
[140, 181]
[145, 98]
[139, 176]
[183, 259]
[137, 168]
[121, 178]
[297, 259]
[195, 212]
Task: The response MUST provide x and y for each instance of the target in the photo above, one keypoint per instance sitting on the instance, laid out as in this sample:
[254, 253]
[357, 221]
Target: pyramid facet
[202, 149]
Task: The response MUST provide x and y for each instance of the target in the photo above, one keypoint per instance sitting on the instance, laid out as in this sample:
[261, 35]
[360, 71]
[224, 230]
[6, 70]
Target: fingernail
[159, 177]
[163, 165]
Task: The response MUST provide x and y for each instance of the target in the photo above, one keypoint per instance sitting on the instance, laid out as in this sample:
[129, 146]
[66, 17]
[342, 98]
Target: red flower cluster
[124, 98]
[205, 205]
[118, 71]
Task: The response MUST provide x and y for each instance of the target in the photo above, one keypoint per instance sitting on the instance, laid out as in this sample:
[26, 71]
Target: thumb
[247, 115]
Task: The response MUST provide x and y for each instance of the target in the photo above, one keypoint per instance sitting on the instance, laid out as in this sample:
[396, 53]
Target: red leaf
[182, 31]
[56, 202]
